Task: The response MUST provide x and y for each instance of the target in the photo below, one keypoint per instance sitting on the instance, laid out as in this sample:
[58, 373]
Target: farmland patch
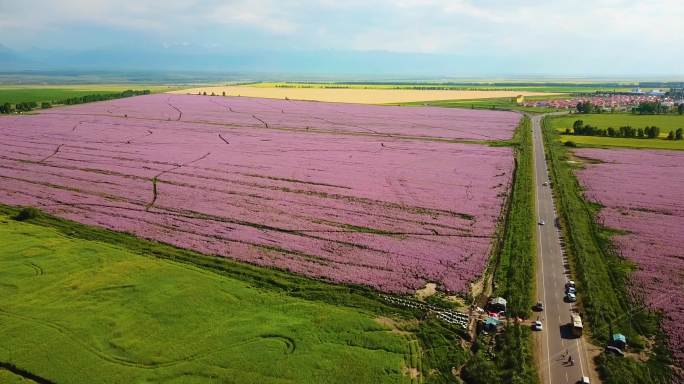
[140, 319]
[348, 193]
[641, 195]
[368, 95]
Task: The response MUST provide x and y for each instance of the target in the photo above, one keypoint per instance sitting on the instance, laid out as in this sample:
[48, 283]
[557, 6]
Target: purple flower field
[348, 193]
[642, 193]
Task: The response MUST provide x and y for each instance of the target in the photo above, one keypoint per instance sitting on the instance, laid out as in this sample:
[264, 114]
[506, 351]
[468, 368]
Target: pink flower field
[359, 194]
[643, 193]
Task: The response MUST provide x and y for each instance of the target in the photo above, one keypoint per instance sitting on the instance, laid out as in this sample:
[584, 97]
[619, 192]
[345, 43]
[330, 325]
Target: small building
[619, 341]
[497, 304]
[491, 324]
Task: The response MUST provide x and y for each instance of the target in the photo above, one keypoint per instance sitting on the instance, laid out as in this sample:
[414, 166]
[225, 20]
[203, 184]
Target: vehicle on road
[538, 325]
[576, 323]
[541, 222]
[538, 307]
[584, 380]
[570, 283]
[570, 297]
[545, 183]
[570, 290]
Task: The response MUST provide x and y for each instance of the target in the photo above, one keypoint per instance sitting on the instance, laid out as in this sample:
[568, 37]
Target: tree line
[645, 108]
[28, 106]
[653, 132]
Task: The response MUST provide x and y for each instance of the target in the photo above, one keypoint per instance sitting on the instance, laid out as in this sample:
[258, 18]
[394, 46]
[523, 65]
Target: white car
[571, 297]
[538, 325]
[541, 222]
[584, 380]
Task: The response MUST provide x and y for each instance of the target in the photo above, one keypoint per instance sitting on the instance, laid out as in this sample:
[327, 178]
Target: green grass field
[515, 270]
[78, 310]
[7, 377]
[505, 103]
[596, 141]
[19, 94]
[664, 122]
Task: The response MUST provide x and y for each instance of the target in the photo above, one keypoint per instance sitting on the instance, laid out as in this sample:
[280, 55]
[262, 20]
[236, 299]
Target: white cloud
[586, 29]
[262, 14]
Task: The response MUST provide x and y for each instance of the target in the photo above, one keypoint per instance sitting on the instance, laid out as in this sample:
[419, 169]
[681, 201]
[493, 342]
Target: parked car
[538, 325]
[570, 290]
[538, 307]
[584, 380]
[541, 222]
[570, 297]
[570, 283]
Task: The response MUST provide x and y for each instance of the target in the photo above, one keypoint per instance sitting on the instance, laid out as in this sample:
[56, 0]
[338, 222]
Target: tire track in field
[460, 231]
[156, 177]
[52, 154]
[265, 124]
[365, 132]
[180, 113]
[130, 141]
[244, 194]
[262, 122]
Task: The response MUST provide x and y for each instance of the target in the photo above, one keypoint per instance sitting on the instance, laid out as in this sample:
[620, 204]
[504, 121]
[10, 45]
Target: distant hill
[11, 60]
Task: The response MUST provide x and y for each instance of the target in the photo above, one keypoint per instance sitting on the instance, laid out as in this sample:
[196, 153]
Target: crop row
[380, 211]
[641, 195]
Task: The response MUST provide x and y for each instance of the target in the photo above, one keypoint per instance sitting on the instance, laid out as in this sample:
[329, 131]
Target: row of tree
[7, 108]
[676, 135]
[587, 107]
[103, 97]
[650, 108]
[645, 108]
[580, 129]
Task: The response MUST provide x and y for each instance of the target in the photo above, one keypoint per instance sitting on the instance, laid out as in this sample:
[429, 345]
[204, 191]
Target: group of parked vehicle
[570, 292]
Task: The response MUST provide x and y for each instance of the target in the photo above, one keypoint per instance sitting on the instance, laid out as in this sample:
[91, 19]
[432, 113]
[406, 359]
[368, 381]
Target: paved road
[553, 341]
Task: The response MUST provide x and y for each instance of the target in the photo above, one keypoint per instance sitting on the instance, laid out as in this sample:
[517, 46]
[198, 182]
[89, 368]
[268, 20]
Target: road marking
[541, 258]
[579, 353]
[566, 273]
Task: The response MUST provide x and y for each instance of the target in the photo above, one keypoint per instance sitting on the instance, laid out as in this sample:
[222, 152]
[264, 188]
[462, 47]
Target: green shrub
[27, 214]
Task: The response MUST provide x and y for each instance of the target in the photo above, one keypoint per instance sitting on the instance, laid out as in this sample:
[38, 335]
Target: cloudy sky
[598, 37]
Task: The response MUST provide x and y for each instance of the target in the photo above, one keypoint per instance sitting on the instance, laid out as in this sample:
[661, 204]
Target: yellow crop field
[351, 95]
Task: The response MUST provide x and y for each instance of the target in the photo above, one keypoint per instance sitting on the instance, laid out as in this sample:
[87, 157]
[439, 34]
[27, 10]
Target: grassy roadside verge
[602, 276]
[434, 346]
[514, 275]
[507, 357]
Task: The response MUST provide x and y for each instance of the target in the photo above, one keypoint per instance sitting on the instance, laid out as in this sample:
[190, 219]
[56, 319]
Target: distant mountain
[319, 62]
[11, 60]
